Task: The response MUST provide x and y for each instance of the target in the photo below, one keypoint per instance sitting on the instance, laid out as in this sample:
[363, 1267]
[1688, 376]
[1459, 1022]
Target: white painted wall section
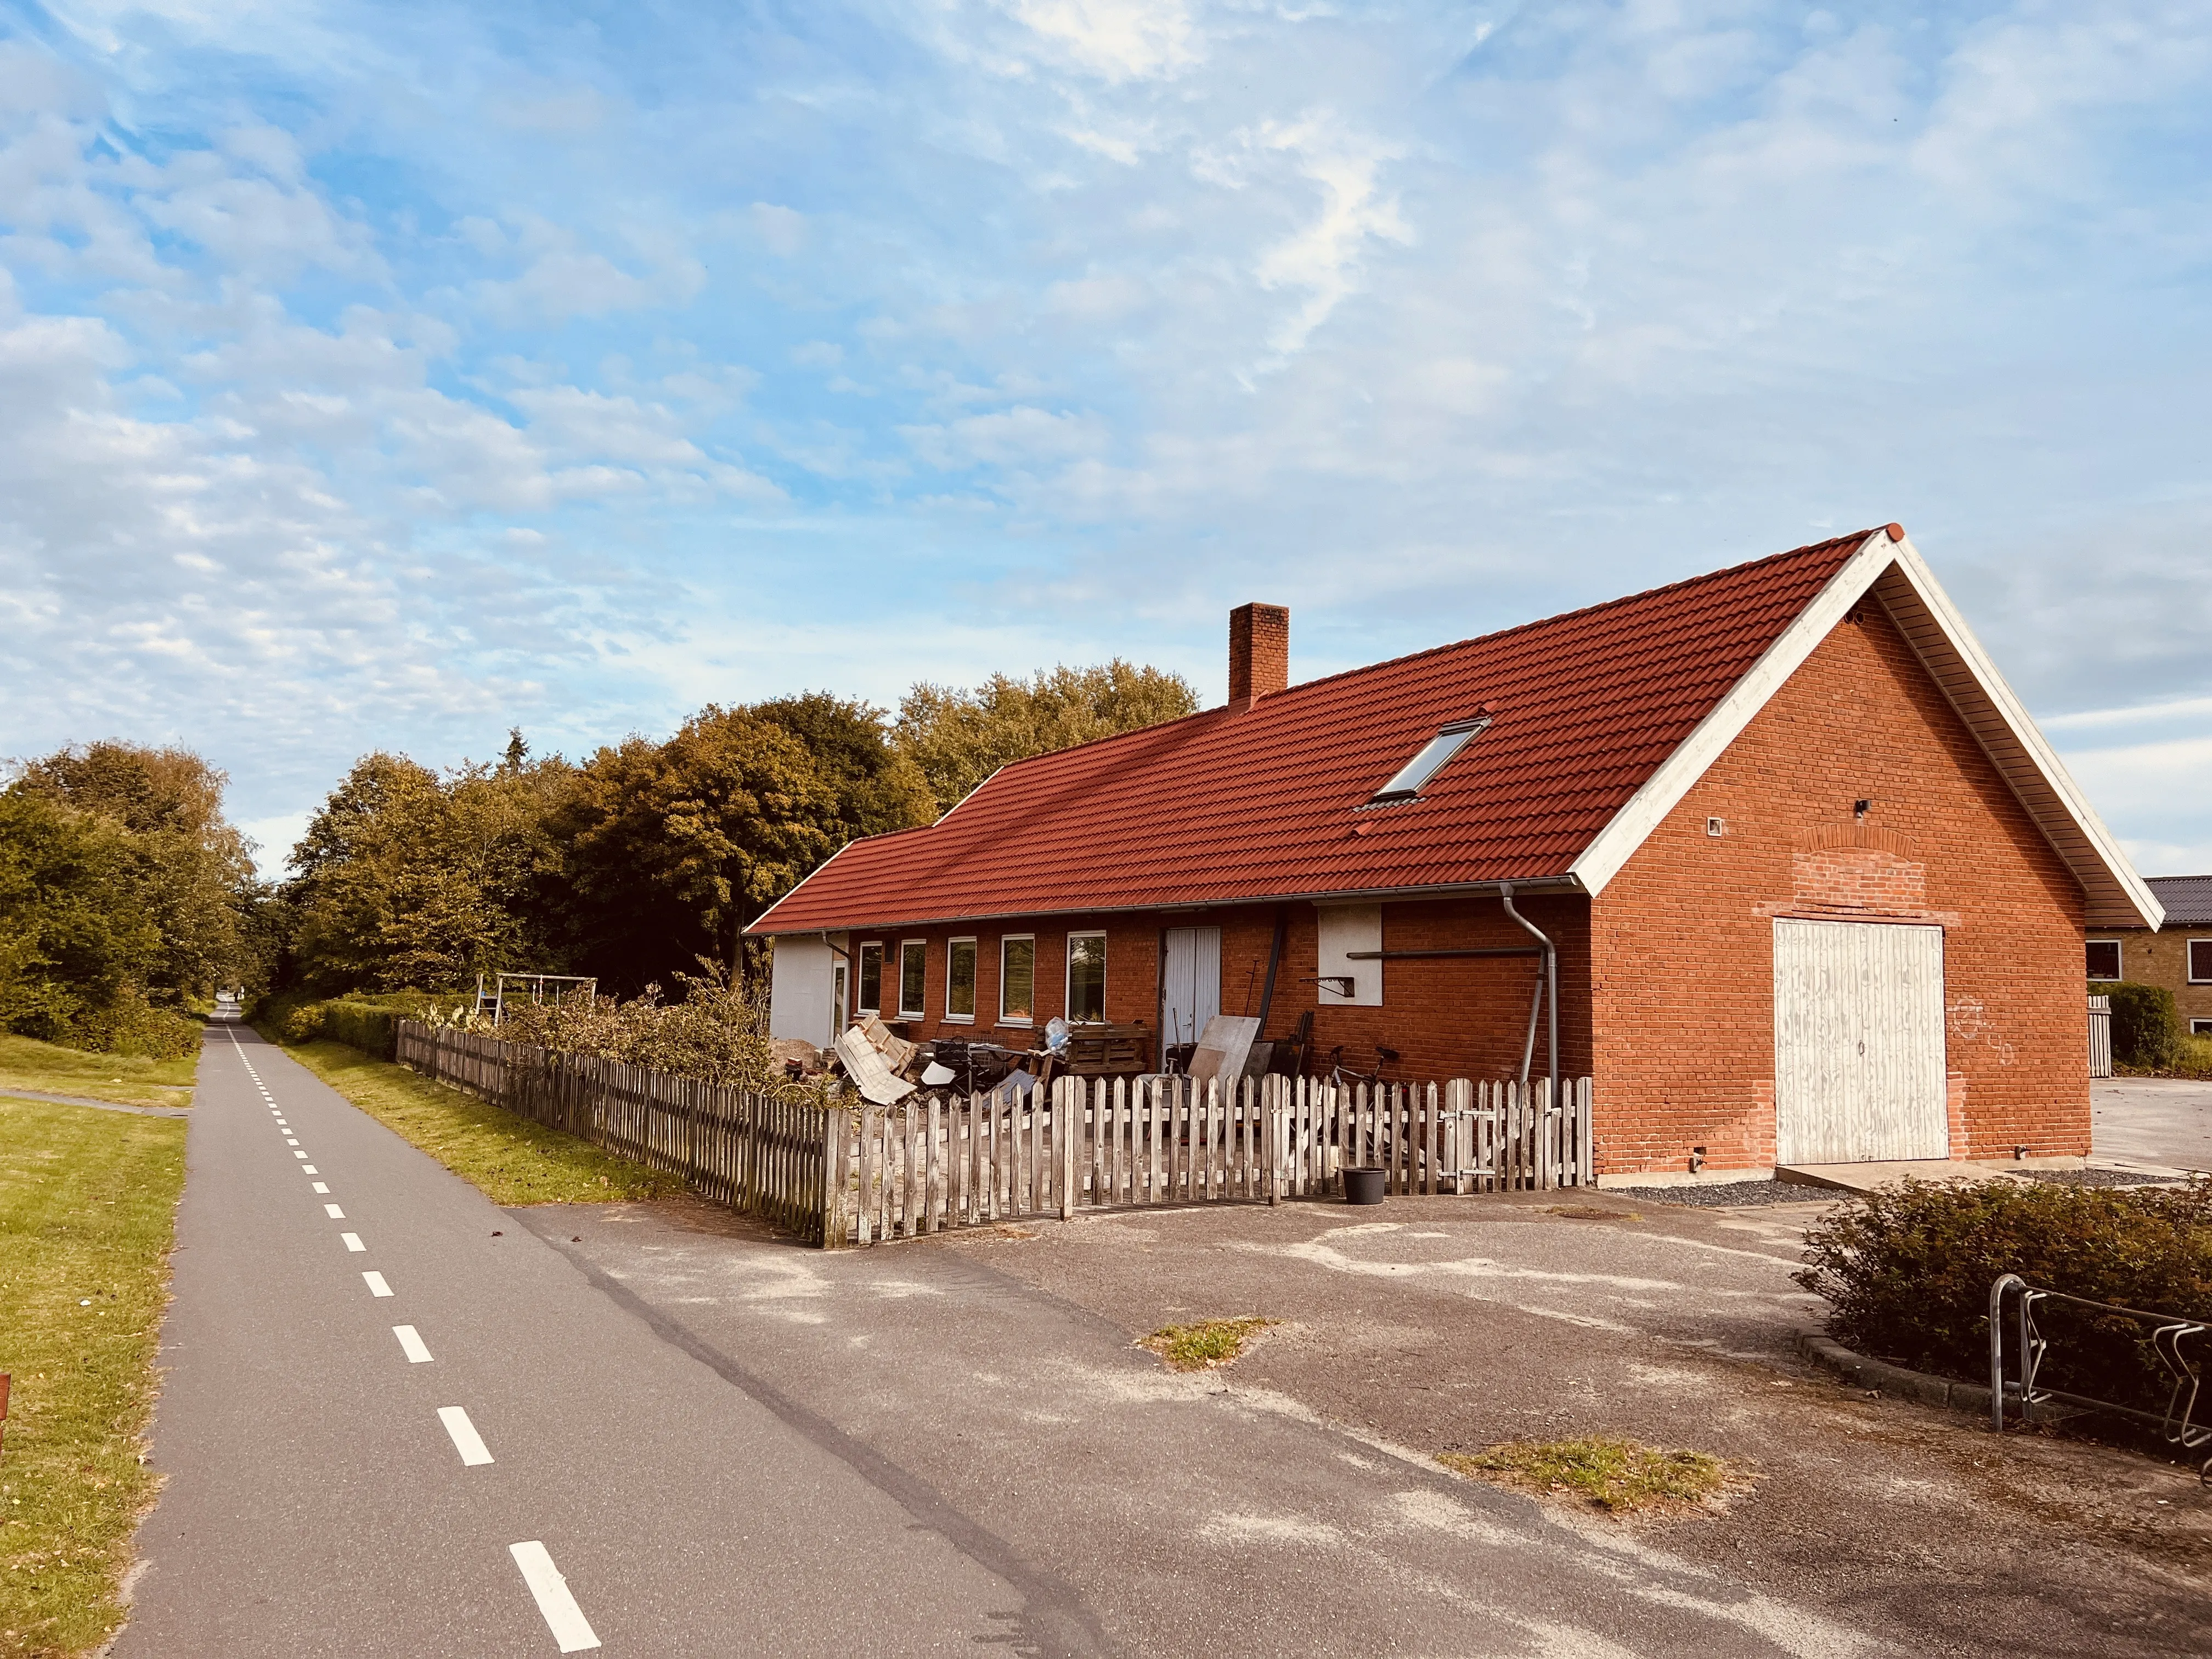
[801, 998]
[1346, 928]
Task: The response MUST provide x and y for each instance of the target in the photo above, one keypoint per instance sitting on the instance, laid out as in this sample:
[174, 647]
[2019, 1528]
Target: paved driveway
[1289, 1505]
[2153, 1120]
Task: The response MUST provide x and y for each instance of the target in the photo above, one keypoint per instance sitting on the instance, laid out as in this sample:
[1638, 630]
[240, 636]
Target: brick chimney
[1259, 653]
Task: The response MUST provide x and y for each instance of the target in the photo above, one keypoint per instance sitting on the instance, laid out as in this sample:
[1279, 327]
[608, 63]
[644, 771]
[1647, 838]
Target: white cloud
[782, 229]
[1021, 437]
[1116, 40]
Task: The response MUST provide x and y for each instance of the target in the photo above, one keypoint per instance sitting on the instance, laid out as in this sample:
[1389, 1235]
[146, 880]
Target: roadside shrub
[717, 1033]
[368, 1023]
[2146, 1031]
[129, 1025]
[1906, 1275]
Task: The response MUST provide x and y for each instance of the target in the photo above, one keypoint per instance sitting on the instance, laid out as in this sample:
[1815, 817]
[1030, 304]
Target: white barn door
[1190, 986]
[1858, 1042]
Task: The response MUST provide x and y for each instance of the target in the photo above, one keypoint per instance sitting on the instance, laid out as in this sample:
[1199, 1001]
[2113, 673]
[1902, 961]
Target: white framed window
[1087, 979]
[914, 978]
[2104, 958]
[2200, 1027]
[2200, 961]
[871, 988]
[960, 980]
[1017, 979]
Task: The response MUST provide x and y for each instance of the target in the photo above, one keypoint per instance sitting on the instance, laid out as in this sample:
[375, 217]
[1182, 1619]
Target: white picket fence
[937, 1161]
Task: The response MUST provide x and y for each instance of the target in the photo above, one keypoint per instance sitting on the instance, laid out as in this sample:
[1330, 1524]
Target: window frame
[1068, 977]
[2200, 1027]
[974, 966]
[921, 1010]
[2119, 961]
[2189, 961]
[861, 978]
[1028, 1019]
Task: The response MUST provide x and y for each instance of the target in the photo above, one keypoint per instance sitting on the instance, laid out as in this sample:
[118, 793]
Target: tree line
[124, 895]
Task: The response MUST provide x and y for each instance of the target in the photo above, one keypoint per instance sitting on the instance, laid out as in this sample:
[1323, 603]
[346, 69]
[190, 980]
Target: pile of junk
[886, 1068]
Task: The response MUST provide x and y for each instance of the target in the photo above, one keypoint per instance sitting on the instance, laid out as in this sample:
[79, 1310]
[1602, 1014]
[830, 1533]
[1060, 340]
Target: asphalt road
[495, 1458]
[2154, 1120]
[1196, 1514]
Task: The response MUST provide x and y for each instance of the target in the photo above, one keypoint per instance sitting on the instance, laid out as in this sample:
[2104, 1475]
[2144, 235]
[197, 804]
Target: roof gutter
[764, 927]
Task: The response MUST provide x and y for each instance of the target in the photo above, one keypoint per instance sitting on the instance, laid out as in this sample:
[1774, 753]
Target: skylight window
[1435, 754]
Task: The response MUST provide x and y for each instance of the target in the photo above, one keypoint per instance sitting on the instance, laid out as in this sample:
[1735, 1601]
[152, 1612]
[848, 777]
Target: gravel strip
[2099, 1178]
[1730, 1194]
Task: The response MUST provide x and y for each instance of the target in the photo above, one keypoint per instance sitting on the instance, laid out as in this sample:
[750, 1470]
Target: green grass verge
[1618, 1476]
[27, 1063]
[511, 1159]
[1206, 1346]
[87, 1201]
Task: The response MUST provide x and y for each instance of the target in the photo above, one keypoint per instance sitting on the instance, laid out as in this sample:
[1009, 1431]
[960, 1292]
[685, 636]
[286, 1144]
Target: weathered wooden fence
[852, 1173]
[936, 1161]
[2100, 1036]
[755, 1152]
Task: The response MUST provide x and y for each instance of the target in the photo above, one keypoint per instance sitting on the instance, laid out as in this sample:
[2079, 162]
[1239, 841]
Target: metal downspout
[1551, 996]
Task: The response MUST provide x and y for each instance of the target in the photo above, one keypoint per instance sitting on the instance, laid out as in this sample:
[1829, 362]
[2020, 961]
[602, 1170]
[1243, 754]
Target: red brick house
[1812, 885]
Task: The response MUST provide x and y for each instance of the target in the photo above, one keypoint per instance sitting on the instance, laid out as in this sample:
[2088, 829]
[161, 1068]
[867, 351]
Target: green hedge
[1906, 1274]
[368, 1023]
[2146, 1029]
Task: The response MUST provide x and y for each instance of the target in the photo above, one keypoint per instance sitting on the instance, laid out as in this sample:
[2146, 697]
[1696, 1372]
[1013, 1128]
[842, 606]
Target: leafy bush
[131, 1025]
[368, 1023]
[2146, 1032]
[1906, 1274]
[717, 1033]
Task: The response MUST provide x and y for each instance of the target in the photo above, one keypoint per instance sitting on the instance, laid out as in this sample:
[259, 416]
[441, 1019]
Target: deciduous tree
[957, 738]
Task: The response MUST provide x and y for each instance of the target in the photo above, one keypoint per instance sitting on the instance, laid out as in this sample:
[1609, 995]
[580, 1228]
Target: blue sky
[387, 376]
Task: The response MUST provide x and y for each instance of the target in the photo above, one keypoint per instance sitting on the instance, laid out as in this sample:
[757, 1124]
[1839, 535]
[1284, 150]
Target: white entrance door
[1190, 989]
[1858, 1042]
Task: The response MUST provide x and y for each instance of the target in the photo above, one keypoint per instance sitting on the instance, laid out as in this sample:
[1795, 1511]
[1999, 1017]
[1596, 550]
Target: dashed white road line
[299, 1155]
[332, 1210]
[376, 1284]
[309, 1169]
[353, 1241]
[412, 1344]
[550, 1591]
[466, 1440]
[322, 1186]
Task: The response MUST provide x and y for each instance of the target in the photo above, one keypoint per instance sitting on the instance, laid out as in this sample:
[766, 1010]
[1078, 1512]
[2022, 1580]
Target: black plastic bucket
[1364, 1186]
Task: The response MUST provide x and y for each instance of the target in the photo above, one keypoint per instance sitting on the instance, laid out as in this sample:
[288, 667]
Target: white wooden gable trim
[1897, 576]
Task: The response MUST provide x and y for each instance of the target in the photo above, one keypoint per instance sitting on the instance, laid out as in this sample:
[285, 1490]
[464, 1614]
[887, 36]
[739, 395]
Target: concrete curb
[1879, 1375]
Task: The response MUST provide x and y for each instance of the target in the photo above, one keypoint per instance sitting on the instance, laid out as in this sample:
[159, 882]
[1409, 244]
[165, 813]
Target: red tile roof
[1220, 807]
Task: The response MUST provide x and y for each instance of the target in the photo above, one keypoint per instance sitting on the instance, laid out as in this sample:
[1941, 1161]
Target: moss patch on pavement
[1618, 1476]
[27, 1063]
[513, 1160]
[1206, 1346]
[87, 1203]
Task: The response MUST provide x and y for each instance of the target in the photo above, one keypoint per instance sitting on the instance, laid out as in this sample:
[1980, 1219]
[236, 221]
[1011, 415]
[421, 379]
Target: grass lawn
[513, 1160]
[87, 1201]
[28, 1064]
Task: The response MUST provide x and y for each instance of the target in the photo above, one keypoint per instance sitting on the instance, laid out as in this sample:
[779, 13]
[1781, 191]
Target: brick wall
[1683, 939]
[1448, 1017]
[2162, 958]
